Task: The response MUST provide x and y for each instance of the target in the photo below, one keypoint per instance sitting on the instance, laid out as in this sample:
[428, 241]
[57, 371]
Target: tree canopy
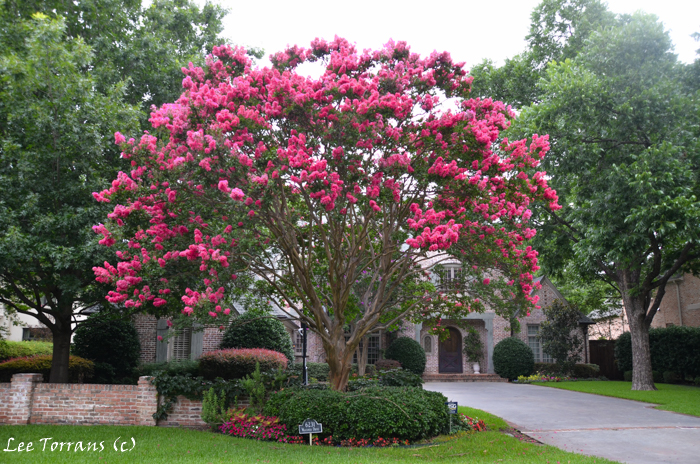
[315, 186]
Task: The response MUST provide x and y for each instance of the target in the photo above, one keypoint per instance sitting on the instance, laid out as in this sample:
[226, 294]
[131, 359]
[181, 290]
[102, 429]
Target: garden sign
[310, 426]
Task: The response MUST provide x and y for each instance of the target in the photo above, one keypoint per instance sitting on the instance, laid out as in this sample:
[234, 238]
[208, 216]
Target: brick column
[20, 398]
[146, 401]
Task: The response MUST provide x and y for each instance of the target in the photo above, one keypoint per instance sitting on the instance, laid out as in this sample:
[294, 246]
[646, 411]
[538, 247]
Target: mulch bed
[520, 436]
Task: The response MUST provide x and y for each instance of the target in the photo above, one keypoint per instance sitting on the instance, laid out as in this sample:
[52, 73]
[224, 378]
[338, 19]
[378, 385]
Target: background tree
[625, 162]
[310, 184]
[561, 335]
[66, 86]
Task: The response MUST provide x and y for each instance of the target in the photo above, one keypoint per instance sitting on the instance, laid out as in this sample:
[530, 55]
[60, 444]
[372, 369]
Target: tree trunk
[339, 359]
[362, 350]
[61, 353]
[642, 377]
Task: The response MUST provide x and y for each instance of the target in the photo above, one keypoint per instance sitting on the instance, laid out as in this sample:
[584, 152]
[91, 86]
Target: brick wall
[146, 328]
[27, 400]
[681, 303]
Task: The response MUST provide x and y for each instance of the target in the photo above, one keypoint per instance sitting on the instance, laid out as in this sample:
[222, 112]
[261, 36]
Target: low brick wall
[27, 400]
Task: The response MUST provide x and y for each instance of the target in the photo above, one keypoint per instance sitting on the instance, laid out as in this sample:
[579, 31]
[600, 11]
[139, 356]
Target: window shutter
[197, 341]
[161, 347]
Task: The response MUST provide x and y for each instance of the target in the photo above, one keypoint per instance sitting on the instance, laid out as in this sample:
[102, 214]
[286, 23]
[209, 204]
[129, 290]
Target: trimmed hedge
[513, 358]
[387, 364]
[255, 330]
[405, 413]
[114, 346]
[9, 350]
[674, 349]
[318, 371]
[409, 353]
[79, 369]
[237, 363]
[184, 367]
[581, 371]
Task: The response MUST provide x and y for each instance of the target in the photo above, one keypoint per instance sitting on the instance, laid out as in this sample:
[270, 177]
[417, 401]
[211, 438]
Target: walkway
[617, 429]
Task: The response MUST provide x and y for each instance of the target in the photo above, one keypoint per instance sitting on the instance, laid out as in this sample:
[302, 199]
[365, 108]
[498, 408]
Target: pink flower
[487, 281]
[119, 138]
[236, 194]
[160, 339]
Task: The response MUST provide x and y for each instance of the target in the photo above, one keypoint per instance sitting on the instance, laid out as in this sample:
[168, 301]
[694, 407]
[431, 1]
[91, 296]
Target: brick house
[681, 303]
[444, 357]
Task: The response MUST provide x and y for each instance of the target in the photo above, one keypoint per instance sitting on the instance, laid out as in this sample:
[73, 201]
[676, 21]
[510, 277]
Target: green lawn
[677, 398]
[169, 445]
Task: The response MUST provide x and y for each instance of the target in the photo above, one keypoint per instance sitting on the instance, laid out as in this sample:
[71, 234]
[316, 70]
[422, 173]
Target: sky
[471, 31]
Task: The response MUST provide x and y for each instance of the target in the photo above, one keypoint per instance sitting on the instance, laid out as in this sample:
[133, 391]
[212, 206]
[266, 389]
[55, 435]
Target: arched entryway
[450, 353]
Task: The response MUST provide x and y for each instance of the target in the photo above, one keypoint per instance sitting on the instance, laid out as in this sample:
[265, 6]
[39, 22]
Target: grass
[172, 446]
[676, 398]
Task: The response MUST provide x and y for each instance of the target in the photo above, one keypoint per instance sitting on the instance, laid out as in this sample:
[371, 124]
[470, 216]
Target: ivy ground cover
[170, 445]
[677, 398]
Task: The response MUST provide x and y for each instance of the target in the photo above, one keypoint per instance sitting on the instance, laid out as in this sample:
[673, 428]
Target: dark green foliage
[473, 347]
[113, 344]
[236, 363]
[627, 375]
[513, 358]
[658, 376]
[409, 353]
[670, 377]
[674, 349]
[79, 369]
[405, 413]
[9, 349]
[258, 330]
[170, 386]
[400, 378]
[560, 334]
[586, 371]
[318, 371]
[185, 367]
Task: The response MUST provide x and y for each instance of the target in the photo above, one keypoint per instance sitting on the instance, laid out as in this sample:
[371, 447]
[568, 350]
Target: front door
[450, 353]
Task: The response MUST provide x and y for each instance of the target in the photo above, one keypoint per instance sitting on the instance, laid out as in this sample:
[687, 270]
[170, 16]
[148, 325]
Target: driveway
[617, 429]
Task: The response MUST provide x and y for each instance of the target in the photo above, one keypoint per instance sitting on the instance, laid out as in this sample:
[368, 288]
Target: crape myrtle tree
[318, 185]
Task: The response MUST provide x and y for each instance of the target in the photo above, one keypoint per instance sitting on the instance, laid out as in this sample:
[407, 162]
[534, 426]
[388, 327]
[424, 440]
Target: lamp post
[305, 374]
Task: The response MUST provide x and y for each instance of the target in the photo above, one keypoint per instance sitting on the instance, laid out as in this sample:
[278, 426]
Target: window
[180, 346]
[536, 346]
[450, 278]
[372, 348]
[298, 342]
[427, 344]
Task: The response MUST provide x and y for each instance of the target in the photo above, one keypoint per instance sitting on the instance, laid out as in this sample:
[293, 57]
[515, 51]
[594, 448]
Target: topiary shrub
[409, 353]
[513, 358]
[112, 343]
[402, 412]
[79, 369]
[259, 330]
[237, 363]
[387, 364]
[10, 349]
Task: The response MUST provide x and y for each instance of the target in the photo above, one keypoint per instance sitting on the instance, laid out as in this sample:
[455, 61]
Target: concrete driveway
[617, 429]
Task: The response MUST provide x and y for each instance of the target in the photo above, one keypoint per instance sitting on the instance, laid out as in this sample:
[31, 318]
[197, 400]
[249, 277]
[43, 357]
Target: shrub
[213, 408]
[513, 358]
[586, 371]
[79, 369]
[560, 334]
[627, 375]
[9, 350]
[318, 371]
[400, 378]
[547, 368]
[697, 381]
[409, 353]
[113, 344]
[670, 377]
[387, 364]
[400, 412]
[259, 330]
[674, 349]
[237, 363]
[184, 367]
[658, 376]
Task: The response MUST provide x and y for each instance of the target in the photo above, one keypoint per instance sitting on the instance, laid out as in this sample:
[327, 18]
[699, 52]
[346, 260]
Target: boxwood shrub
[318, 371]
[257, 330]
[79, 369]
[406, 413]
[409, 353]
[513, 358]
[675, 349]
[237, 363]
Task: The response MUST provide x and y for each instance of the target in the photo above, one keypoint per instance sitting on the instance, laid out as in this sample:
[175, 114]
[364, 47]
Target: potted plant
[473, 348]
